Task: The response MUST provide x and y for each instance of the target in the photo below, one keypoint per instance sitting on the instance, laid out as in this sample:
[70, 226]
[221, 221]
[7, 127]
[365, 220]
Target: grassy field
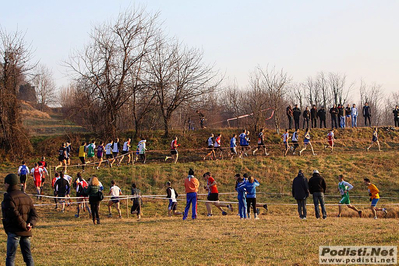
[278, 238]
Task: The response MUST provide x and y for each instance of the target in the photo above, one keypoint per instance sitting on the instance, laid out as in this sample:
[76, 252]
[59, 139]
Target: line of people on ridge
[301, 188]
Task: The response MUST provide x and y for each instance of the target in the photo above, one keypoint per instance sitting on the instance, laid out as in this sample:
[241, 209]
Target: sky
[358, 38]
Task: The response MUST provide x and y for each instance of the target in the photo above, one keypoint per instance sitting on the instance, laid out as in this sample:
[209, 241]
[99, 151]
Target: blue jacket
[241, 190]
[251, 189]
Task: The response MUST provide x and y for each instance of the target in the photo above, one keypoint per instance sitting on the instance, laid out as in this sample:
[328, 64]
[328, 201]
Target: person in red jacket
[173, 151]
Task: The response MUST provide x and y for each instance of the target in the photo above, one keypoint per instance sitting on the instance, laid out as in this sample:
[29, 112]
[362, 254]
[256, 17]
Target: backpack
[24, 170]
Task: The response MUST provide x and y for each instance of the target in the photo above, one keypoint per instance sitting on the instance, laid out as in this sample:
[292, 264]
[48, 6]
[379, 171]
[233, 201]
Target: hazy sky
[358, 38]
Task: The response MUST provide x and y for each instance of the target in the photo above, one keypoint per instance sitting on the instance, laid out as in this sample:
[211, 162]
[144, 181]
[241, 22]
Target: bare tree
[107, 64]
[178, 75]
[322, 85]
[14, 65]
[339, 90]
[44, 87]
[373, 95]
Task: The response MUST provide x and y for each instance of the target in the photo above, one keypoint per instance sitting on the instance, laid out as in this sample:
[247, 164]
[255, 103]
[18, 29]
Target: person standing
[334, 113]
[213, 195]
[23, 172]
[300, 191]
[173, 151]
[341, 115]
[321, 114]
[354, 114]
[317, 187]
[19, 217]
[367, 114]
[348, 112]
[94, 200]
[306, 117]
[250, 187]
[290, 115]
[202, 118]
[374, 194]
[396, 116]
[313, 116]
[191, 185]
[136, 198]
[241, 196]
[343, 188]
[297, 114]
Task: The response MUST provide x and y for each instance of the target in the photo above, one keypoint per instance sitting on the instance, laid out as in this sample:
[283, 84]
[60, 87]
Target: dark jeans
[365, 120]
[289, 122]
[305, 120]
[396, 122]
[334, 123]
[12, 244]
[319, 197]
[296, 123]
[95, 206]
[301, 207]
[321, 123]
[314, 123]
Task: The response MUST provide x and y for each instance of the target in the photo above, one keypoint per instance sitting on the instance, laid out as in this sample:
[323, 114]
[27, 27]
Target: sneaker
[139, 217]
[98, 168]
[224, 213]
[166, 158]
[257, 211]
[360, 214]
[98, 221]
[109, 215]
[256, 218]
[339, 216]
[303, 218]
[300, 153]
[324, 217]
[120, 216]
[265, 206]
[230, 207]
[253, 153]
[266, 154]
[375, 217]
[368, 149]
[210, 215]
[385, 212]
[76, 215]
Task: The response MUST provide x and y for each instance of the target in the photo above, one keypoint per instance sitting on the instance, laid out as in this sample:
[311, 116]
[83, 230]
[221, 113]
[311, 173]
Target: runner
[294, 140]
[243, 143]
[330, 139]
[62, 157]
[233, 146]
[172, 196]
[374, 198]
[211, 149]
[68, 149]
[114, 191]
[55, 178]
[43, 161]
[108, 153]
[306, 142]
[45, 174]
[91, 151]
[62, 187]
[343, 188]
[23, 172]
[115, 149]
[173, 151]
[261, 143]
[141, 146]
[37, 174]
[81, 193]
[136, 208]
[286, 136]
[82, 155]
[68, 192]
[213, 195]
[218, 146]
[100, 154]
[374, 140]
[125, 151]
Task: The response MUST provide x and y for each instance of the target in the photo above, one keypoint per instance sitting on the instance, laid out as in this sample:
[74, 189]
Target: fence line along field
[279, 237]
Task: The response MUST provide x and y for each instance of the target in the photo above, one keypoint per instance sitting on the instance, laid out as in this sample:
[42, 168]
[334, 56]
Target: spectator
[94, 199]
[191, 185]
[348, 112]
[367, 114]
[334, 113]
[341, 116]
[136, 198]
[317, 187]
[300, 191]
[250, 187]
[241, 196]
[306, 117]
[396, 116]
[290, 115]
[313, 116]
[354, 114]
[297, 114]
[321, 114]
[19, 217]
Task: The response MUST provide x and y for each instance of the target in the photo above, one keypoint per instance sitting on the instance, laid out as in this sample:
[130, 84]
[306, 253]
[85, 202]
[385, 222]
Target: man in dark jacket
[306, 117]
[317, 187]
[321, 114]
[334, 114]
[19, 217]
[300, 191]
[290, 115]
[367, 114]
[396, 116]
[297, 114]
[313, 116]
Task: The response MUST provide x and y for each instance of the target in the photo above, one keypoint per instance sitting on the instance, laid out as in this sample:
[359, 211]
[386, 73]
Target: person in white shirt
[141, 147]
[354, 114]
[108, 153]
[211, 148]
[125, 151]
[172, 196]
[286, 136]
[114, 192]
